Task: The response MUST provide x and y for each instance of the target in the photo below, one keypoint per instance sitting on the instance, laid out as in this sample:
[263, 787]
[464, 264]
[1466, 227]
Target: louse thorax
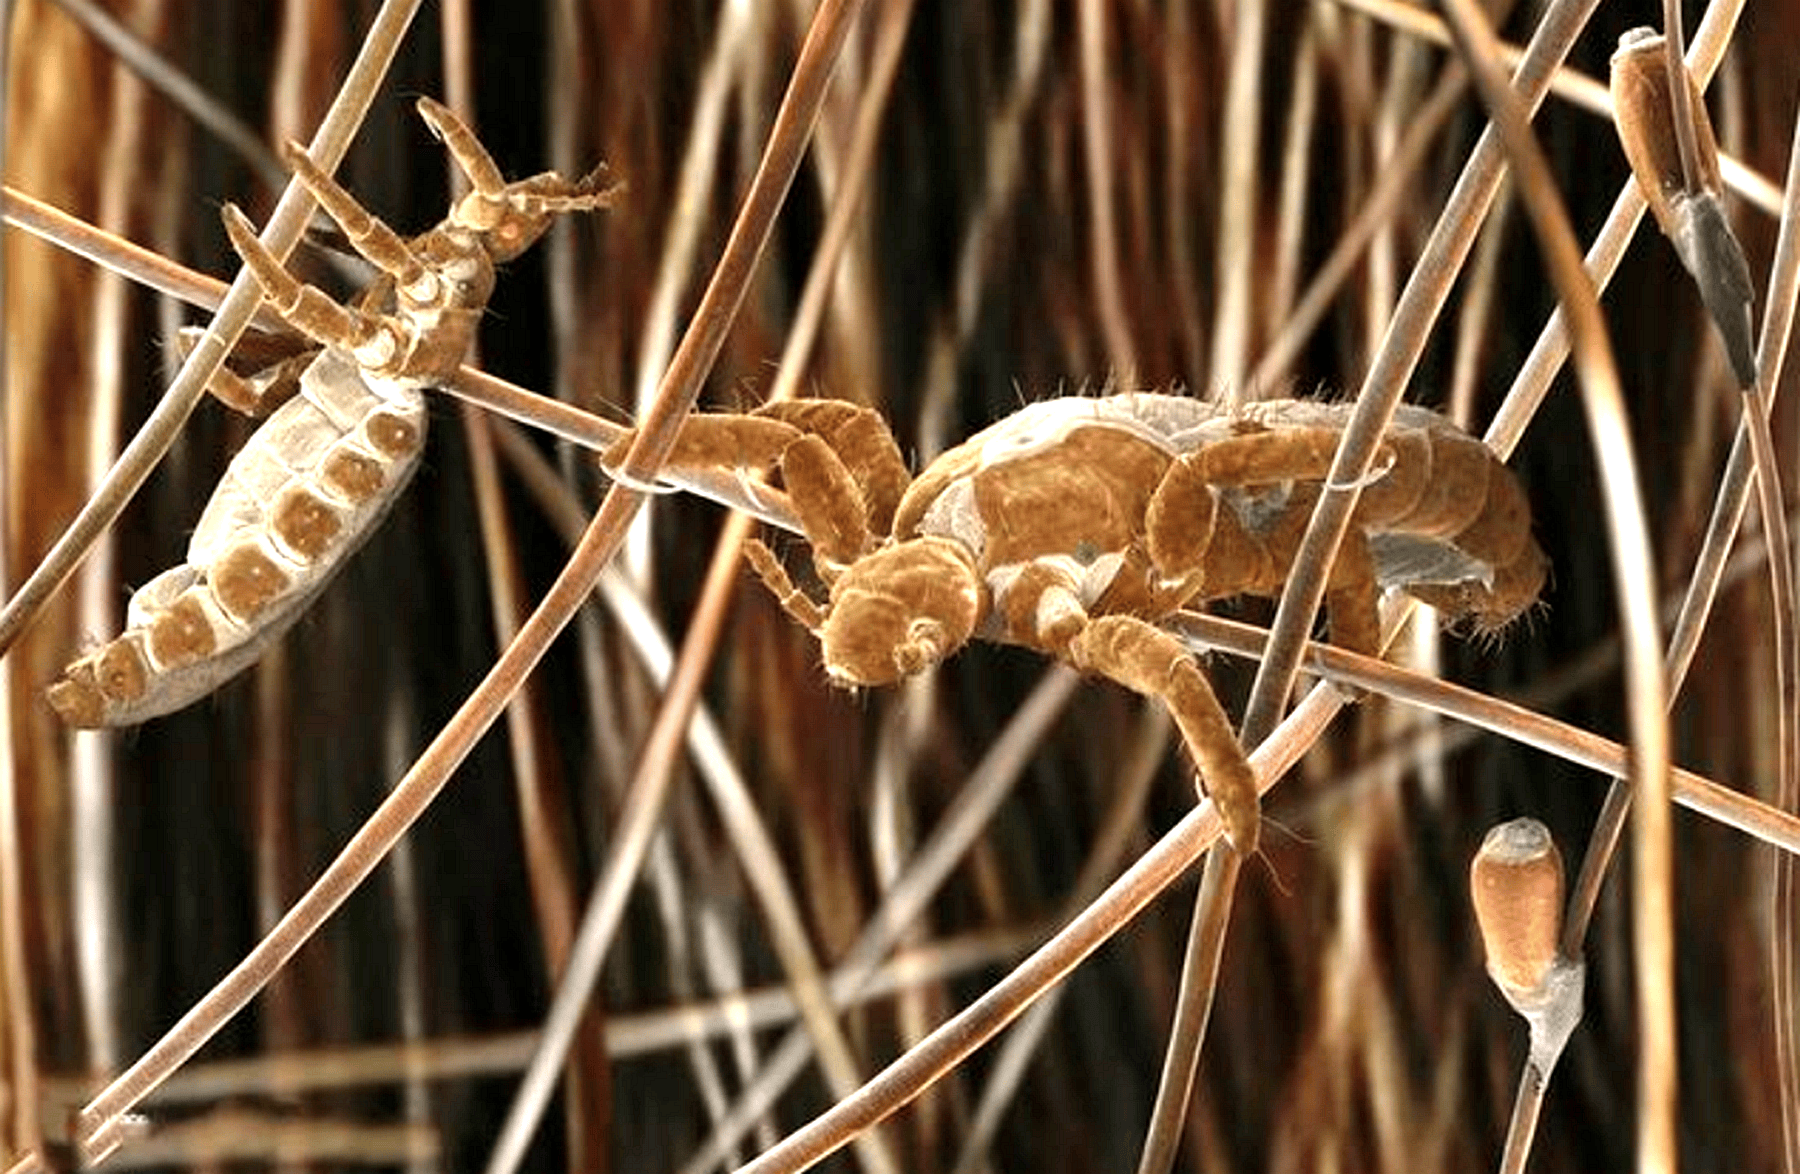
[435, 346]
[460, 260]
[440, 313]
[900, 610]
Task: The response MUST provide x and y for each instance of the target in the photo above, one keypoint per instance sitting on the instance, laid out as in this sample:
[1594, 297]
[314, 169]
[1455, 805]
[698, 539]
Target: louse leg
[711, 442]
[254, 395]
[1352, 613]
[268, 384]
[794, 601]
[1271, 455]
[1188, 535]
[740, 444]
[854, 460]
[862, 440]
[1182, 516]
[484, 174]
[1151, 662]
[246, 396]
[1042, 609]
[838, 461]
[368, 234]
[1352, 616]
[829, 503]
[368, 337]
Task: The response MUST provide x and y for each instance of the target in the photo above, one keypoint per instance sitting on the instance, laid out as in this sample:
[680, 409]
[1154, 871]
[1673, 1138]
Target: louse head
[900, 610]
[511, 220]
[509, 217]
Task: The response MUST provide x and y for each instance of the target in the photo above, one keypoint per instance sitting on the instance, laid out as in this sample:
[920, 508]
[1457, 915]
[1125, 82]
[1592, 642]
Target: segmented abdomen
[1443, 518]
[303, 494]
[1069, 480]
[1446, 494]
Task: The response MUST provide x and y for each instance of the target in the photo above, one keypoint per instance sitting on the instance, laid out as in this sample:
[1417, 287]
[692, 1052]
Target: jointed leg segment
[308, 308]
[484, 174]
[272, 376]
[1351, 595]
[368, 234]
[1043, 610]
[1150, 661]
[1191, 532]
[825, 495]
[838, 462]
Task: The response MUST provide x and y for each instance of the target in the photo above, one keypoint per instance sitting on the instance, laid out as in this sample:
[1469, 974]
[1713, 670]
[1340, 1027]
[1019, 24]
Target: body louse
[316, 478]
[1075, 525]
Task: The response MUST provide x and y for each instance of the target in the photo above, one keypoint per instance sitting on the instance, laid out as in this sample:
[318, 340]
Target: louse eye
[461, 275]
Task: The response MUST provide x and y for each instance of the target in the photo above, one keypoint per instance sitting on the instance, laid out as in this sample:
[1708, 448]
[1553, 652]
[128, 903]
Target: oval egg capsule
[1516, 883]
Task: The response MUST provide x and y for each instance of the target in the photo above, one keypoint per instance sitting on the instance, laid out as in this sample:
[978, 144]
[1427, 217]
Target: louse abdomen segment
[296, 501]
[1450, 524]
[1443, 518]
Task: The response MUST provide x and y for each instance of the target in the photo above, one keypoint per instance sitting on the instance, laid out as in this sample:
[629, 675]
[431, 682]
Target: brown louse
[1075, 525]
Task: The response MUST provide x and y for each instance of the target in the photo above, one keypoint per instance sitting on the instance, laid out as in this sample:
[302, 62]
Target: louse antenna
[584, 195]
